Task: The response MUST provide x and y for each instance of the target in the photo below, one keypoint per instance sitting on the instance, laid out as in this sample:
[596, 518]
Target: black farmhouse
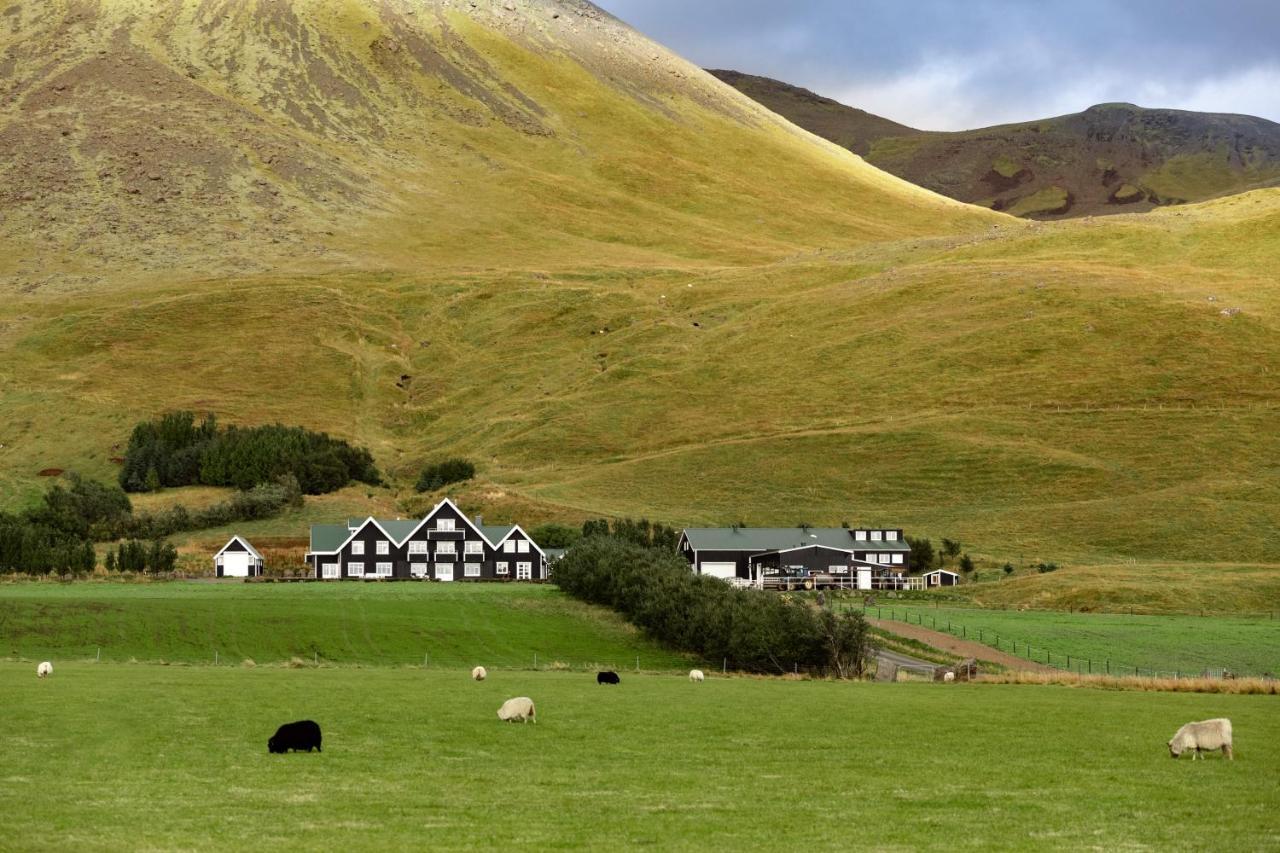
[874, 558]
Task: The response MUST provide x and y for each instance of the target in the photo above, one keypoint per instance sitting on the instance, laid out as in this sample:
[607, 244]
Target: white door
[720, 570]
[444, 571]
[864, 579]
[524, 571]
[235, 564]
[329, 570]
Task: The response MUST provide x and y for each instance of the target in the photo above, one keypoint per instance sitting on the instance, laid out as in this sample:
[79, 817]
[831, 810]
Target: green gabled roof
[495, 533]
[326, 538]
[782, 538]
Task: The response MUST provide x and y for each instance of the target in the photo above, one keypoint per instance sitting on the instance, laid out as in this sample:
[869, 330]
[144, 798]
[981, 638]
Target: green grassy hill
[451, 626]
[108, 757]
[1109, 158]
[622, 288]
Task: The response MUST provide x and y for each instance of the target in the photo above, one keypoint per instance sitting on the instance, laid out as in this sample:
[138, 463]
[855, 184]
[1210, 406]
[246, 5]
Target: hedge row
[752, 630]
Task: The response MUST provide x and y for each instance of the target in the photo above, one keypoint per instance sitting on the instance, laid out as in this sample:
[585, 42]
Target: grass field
[113, 757]
[458, 625]
[1187, 644]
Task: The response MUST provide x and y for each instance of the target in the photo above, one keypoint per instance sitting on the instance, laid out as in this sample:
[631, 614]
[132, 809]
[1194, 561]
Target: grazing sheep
[696, 676]
[44, 669]
[304, 734]
[948, 676]
[479, 673]
[608, 677]
[1204, 736]
[519, 709]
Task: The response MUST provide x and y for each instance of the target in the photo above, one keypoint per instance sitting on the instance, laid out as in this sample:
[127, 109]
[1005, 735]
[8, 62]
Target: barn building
[237, 559]
[940, 577]
[443, 546]
[865, 558]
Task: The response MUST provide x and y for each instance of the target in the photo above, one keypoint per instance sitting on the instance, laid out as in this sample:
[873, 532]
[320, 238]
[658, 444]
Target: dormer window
[891, 535]
[860, 535]
[875, 536]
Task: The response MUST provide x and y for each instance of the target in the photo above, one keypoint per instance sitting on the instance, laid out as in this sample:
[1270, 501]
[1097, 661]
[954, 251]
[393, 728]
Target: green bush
[752, 630]
[644, 533]
[555, 535]
[444, 473]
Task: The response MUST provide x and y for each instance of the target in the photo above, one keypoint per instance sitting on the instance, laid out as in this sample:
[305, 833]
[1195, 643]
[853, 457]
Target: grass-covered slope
[112, 757]
[449, 626]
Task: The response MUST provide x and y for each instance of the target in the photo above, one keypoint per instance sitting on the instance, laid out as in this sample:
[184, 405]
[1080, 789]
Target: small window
[355, 570]
[522, 547]
[860, 535]
[444, 524]
[384, 570]
[384, 547]
[897, 559]
[471, 570]
[524, 571]
[875, 536]
[475, 548]
[502, 568]
[446, 548]
[357, 548]
[417, 547]
[509, 546]
[891, 535]
[884, 559]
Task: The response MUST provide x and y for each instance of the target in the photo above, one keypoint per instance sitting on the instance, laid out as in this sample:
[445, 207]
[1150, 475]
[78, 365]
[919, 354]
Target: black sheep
[607, 678]
[301, 735]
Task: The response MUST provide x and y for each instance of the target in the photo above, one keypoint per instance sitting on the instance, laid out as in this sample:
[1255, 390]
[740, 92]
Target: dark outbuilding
[304, 734]
[608, 678]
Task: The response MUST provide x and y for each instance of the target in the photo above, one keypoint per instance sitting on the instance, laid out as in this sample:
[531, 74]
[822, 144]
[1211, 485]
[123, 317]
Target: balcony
[446, 535]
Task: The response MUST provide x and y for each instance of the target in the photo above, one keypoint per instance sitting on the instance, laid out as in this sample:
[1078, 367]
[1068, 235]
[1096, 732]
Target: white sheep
[44, 669]
[948, 676]
[479, 673]
[1204, 736]
[696, 676]
[519, 709]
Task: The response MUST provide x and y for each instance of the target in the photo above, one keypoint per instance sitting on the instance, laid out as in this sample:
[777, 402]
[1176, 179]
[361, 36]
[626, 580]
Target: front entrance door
[444, 571]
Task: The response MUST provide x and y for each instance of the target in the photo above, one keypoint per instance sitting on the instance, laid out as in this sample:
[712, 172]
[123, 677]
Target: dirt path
[957, 646]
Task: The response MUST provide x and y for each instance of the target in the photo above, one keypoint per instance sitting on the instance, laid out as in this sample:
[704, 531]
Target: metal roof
[781, 538]
[327, 538]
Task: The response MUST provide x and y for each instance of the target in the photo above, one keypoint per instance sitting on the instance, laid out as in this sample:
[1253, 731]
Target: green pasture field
[1187, 644]
[110, 757]
[399, 624]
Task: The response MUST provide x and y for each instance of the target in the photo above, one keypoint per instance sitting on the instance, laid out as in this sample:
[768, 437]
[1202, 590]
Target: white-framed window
[509, 546]
[384, 570]
[891, 535]
[897, 559]
[524, 571]
[446, 548]
[357, 548]
[384, 547]
[444, 524]
[876, 536]
[329, 570]
[355, 570]
[838, 570]
[860, 535]
[502, 568]
[522, 546]
[471, 570]
[418, 546]
[474, 547]
[884, 559]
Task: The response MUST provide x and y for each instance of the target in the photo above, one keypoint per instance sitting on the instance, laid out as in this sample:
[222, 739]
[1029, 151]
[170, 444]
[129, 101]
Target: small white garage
[237, 559]
[723, 571]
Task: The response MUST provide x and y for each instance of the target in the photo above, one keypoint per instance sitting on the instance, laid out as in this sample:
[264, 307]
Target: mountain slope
[1109, 158]
[226, 137]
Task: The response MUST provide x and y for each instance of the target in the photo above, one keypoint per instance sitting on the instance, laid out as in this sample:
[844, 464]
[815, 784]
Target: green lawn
[1165, 643]
[458, 625]
[103, 757]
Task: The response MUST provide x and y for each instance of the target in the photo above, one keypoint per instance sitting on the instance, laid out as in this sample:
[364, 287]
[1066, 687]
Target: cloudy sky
[953, 64]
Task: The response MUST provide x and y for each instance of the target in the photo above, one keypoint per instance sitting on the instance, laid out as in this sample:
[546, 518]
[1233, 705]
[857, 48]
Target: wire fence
[1081, 664]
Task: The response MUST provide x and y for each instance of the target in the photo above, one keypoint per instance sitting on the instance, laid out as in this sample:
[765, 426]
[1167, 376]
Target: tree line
[176, 450]
[754, 631]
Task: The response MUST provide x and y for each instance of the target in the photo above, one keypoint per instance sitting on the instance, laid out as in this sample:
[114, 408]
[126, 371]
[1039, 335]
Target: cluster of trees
[437, 475]
[644, 533]
[175, 450]
[155, 557]
[654, 589]
[262, 501]
[924, 557]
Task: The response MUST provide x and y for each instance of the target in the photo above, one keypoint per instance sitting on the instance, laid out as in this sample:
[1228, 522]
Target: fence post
[724, 666]
[99, 660]
[215, 657]
[637, 663]
[535, 660]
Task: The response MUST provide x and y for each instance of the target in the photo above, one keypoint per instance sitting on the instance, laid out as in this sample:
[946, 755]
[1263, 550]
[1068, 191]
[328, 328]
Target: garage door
[235, 564]
[720, 570]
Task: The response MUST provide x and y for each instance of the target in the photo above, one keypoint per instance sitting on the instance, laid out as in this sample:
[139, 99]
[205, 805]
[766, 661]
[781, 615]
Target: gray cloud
[951, 64]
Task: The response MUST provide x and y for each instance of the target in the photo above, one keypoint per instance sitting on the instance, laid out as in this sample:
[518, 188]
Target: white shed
[237, 559]
[940, 577]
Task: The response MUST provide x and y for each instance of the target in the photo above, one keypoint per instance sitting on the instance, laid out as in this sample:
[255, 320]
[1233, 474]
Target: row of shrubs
[155, 557]
[175, 450]
[654, 589]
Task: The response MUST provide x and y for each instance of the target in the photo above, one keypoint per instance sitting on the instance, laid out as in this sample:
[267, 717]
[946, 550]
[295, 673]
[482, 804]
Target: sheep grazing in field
[1204, 736]
[948, 677]
[608, 677]
[517, 710]
[304, 734]
[696, 676]
[479, 673]
[44, 669]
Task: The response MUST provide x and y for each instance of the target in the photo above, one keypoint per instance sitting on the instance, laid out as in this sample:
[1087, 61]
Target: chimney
[479, 520]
